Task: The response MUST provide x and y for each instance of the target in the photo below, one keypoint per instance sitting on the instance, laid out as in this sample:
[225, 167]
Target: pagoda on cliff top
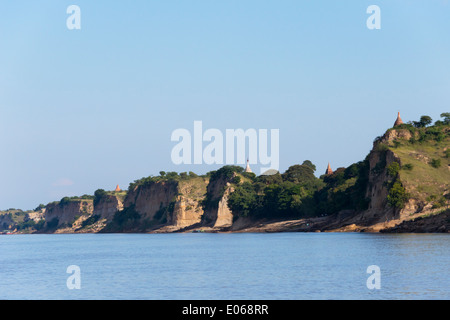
[329, 171]
[399, 120]
[248, 169]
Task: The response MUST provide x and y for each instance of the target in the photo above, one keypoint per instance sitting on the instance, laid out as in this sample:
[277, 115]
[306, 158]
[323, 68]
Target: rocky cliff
[166, 205]
[217, 212]
[404, 180]
[60, 215]
[149, 198]
[188, 210]
[409, 178]
[107, 206]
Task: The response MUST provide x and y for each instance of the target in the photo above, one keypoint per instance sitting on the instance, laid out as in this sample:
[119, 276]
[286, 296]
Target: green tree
[309, 164]
[183, 175]
[397, 196]
[40, 207]
[192, 174]
[446, 117]
[64, 201]
[98, 195]
[423, 122]
[299, 174]
[244, 200]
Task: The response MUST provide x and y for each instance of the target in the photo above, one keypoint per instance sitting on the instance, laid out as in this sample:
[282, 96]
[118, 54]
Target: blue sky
[92, 108]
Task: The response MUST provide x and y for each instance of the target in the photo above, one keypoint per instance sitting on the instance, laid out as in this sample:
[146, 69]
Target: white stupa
[247, 169]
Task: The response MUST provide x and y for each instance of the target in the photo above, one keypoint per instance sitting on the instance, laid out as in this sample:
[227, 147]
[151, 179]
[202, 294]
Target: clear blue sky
[92, 108]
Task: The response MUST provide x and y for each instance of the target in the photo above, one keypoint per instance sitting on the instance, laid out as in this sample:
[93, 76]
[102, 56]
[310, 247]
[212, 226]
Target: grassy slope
[424, 182]
[194, 188]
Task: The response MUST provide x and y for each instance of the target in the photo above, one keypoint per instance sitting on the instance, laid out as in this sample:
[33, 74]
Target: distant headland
[401, 186]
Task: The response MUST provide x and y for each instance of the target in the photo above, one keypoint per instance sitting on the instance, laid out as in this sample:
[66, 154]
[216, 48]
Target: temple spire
[399, 120]
[329, 170]
[117, 189]
[247, 169]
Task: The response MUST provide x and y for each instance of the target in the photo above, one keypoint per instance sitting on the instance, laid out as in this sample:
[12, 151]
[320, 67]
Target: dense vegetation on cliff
[290, 194]
[298, 193]
[420, 173]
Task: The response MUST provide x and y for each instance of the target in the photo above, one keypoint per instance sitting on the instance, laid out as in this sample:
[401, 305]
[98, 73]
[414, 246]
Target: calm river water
[225, 266]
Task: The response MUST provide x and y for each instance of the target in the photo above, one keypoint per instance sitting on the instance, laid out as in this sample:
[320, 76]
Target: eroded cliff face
[65, 214]
[224, 216]
[172, 205]
[107, 207]
[377, 190]
[188, 209]
[217, 212]
[148, 199]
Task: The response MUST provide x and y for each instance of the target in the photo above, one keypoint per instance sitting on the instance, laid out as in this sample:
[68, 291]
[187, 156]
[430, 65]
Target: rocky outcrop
[396, 134]
[107, 207]
[224, 216]
[62, 214]
[377, 190]
[433, 223]
[37, 215]
[217, 212]
[152, 197]
[171, 205]
[186, 212]
[188, 209]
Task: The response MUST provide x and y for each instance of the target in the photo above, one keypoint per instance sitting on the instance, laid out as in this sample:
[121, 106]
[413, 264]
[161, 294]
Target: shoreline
[427, 222]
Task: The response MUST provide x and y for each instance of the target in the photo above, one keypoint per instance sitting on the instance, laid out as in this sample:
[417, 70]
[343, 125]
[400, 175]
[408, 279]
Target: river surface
[278, 266]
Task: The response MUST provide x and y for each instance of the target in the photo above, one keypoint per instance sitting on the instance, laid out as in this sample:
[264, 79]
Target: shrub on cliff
[435, 163]
[90, 221]
[446, 116]
[393, 169]
[397, 196]
[52, 224]
[124, 220]
[64, 201]
[226, 172]
[408, 166]
[98, 196]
